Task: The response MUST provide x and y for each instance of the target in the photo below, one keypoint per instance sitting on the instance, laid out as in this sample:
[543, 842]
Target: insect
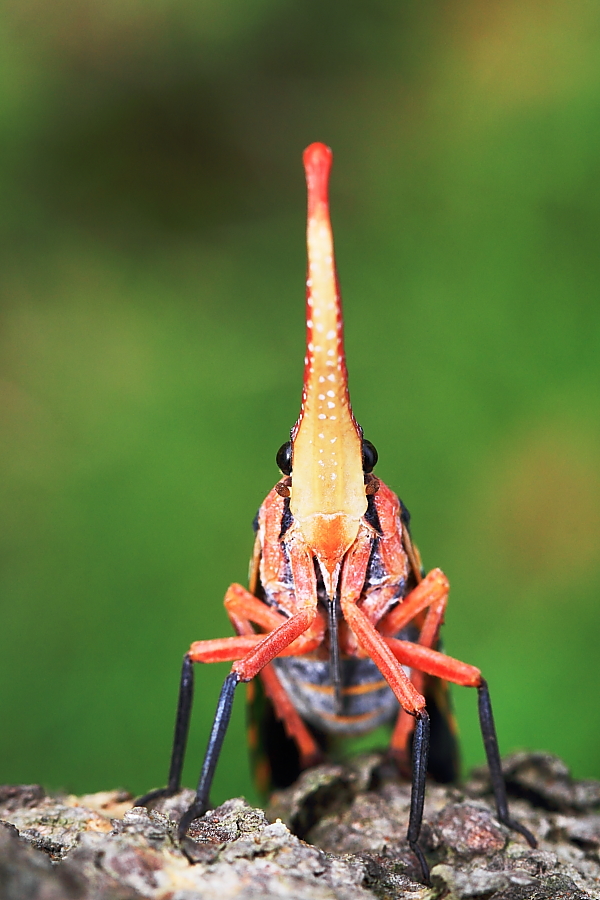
[339, 623]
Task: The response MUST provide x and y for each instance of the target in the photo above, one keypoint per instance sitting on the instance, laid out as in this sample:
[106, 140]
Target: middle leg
[447, 668]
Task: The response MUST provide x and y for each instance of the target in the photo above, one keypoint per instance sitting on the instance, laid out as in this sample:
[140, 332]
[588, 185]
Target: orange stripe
[354, 690]
[349, 719]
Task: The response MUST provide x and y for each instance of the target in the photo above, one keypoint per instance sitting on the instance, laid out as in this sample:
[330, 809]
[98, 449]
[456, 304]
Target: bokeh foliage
[152, 254]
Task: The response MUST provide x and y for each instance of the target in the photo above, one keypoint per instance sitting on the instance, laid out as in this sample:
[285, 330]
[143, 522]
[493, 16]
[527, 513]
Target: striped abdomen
[367, 699]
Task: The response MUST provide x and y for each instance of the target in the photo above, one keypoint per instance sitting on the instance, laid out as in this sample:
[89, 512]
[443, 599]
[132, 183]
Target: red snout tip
[317, 165]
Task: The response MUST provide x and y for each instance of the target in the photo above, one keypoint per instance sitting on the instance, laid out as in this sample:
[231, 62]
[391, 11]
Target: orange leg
[251, 652]
[243, 608]
[270, 645]
[430, 594]
[274, 643]
[432, 662]
[423, 659]
[410, 699]
[246, 610]
[439, 665]
[370, 640]
[236, 648]
[225, 649]
[368, 637]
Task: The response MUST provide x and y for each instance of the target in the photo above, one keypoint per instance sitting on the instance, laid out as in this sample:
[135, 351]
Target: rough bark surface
[337, 833]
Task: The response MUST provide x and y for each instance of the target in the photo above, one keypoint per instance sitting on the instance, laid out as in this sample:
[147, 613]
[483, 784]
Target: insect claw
[516, 826]
[422, 862]
[195, 811]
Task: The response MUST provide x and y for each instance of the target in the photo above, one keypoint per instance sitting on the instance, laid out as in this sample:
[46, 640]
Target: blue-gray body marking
[307, 682]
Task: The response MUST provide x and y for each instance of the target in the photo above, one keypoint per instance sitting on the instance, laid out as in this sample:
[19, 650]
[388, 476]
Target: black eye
[284, 458]
[369, 457]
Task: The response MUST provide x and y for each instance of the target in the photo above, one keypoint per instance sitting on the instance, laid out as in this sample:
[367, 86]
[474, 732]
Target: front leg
[245, 610]
[245, 669]
[378, 649]
[430, 596]
[211, 757]
[217, 650]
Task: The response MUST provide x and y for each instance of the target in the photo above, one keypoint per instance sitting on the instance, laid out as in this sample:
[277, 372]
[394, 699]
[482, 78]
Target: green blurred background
[152, 269]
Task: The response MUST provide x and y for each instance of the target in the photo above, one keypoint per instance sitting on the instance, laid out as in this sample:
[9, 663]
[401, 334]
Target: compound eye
[369, 457]
[284, 458]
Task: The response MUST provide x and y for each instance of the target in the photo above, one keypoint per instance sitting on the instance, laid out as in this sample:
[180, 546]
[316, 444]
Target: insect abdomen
[367, 698]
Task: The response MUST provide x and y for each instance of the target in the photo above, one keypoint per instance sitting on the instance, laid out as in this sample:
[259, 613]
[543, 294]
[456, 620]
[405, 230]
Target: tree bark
[337, 834]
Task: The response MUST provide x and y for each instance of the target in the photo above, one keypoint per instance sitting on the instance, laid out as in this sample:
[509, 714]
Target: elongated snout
[328, 496]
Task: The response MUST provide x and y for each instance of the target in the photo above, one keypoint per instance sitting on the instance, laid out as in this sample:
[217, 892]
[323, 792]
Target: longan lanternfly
[340, 623]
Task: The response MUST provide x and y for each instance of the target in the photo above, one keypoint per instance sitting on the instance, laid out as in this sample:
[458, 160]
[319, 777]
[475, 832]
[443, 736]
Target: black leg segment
[182, 727]
[182, 723]
[417, 797]
[213, 751]
[490, 742]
